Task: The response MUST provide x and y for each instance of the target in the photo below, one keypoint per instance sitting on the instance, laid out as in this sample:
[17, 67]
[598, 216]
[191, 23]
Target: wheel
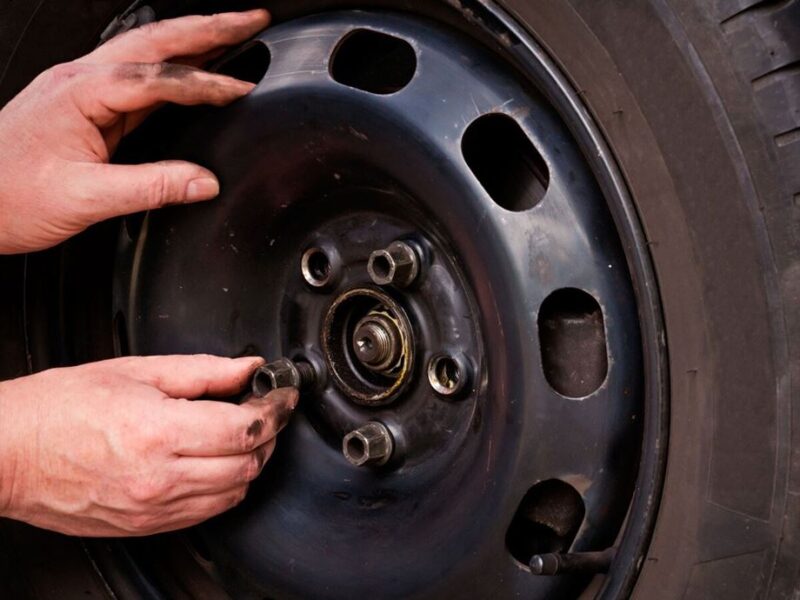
[541, 258]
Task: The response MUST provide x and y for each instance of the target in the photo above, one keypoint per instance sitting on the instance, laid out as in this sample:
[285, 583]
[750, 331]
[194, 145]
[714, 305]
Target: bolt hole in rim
[316, 267]
[542, 178]
[447, 374]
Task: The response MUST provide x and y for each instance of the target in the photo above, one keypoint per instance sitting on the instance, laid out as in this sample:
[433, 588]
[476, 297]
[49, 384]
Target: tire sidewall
[724, 515]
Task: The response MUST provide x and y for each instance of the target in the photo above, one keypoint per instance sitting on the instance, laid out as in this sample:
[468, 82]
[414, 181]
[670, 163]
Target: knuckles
[254, 465]
[145, 492]
[158, 191]
[152, 441]
[64, 72]
[62, 76]
[148, 30]
[142, 523]
[239, 496]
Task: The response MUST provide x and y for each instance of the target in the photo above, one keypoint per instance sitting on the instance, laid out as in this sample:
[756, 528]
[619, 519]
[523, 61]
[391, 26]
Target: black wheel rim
[398, 159]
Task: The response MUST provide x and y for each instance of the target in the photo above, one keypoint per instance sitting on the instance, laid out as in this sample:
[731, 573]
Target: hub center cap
[367, 341]
[377, 342]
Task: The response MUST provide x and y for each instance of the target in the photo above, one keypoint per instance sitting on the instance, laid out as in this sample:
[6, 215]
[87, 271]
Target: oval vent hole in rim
[250, 64]
[547, 520]
[505, 161]
[572, 340]
[373, 62]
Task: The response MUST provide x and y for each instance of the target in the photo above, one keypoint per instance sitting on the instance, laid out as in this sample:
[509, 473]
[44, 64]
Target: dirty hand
[115, 448]
[57, 136]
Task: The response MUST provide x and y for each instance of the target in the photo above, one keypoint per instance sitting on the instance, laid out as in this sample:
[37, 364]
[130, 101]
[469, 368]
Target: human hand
[114, 448]
[58, 135]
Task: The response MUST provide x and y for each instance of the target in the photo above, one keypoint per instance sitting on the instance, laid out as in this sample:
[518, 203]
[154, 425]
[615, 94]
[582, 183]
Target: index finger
[181, 37]
[187, 376]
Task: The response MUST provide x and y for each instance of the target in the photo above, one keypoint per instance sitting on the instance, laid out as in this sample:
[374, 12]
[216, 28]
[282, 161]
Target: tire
[700, 105]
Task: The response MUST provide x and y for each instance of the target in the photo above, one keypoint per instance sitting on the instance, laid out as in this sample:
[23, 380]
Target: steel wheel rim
[657, 421]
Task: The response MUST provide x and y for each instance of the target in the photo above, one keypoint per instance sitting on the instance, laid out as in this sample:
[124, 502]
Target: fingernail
[202, 189]
[254, 361]
[260, 12]
[245, 87]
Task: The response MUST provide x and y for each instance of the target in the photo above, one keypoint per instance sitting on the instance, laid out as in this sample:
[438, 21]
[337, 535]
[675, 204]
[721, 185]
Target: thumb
[115, 190]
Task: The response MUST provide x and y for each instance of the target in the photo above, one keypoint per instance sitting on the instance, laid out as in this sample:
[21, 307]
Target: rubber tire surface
[700, 103]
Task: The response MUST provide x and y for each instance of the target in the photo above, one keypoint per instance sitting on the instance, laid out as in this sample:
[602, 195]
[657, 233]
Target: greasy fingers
[212, 474]
[62, 129]
[217, 429]
[186, 36]
[103, 92]
[115, 455]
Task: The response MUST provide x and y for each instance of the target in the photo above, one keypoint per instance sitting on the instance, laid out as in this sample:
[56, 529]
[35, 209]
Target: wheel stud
[370, 444]
[377, 343]
[397, 265]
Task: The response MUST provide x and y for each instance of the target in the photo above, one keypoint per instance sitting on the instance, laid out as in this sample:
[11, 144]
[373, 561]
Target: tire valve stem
[282, 373]
[587, 563]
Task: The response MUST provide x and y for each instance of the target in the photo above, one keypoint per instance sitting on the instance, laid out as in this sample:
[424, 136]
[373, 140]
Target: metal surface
[134, 16]
[318, 269]
[397, 265]
[368, 445]
[584, 563]
[448, 375]
[378, 342]
[386, 167]
[283, 373]
[345, 346]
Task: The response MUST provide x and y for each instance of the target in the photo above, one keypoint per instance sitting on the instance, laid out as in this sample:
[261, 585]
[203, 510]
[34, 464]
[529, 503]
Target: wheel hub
[368, 345]
[377, 342]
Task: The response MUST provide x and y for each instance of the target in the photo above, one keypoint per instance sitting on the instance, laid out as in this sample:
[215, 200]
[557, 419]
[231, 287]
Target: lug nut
[283, 373]
[398, 265]
[370, 444]
[448, 375]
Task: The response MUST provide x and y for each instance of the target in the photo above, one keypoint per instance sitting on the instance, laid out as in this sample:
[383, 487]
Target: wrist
[9, 452]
